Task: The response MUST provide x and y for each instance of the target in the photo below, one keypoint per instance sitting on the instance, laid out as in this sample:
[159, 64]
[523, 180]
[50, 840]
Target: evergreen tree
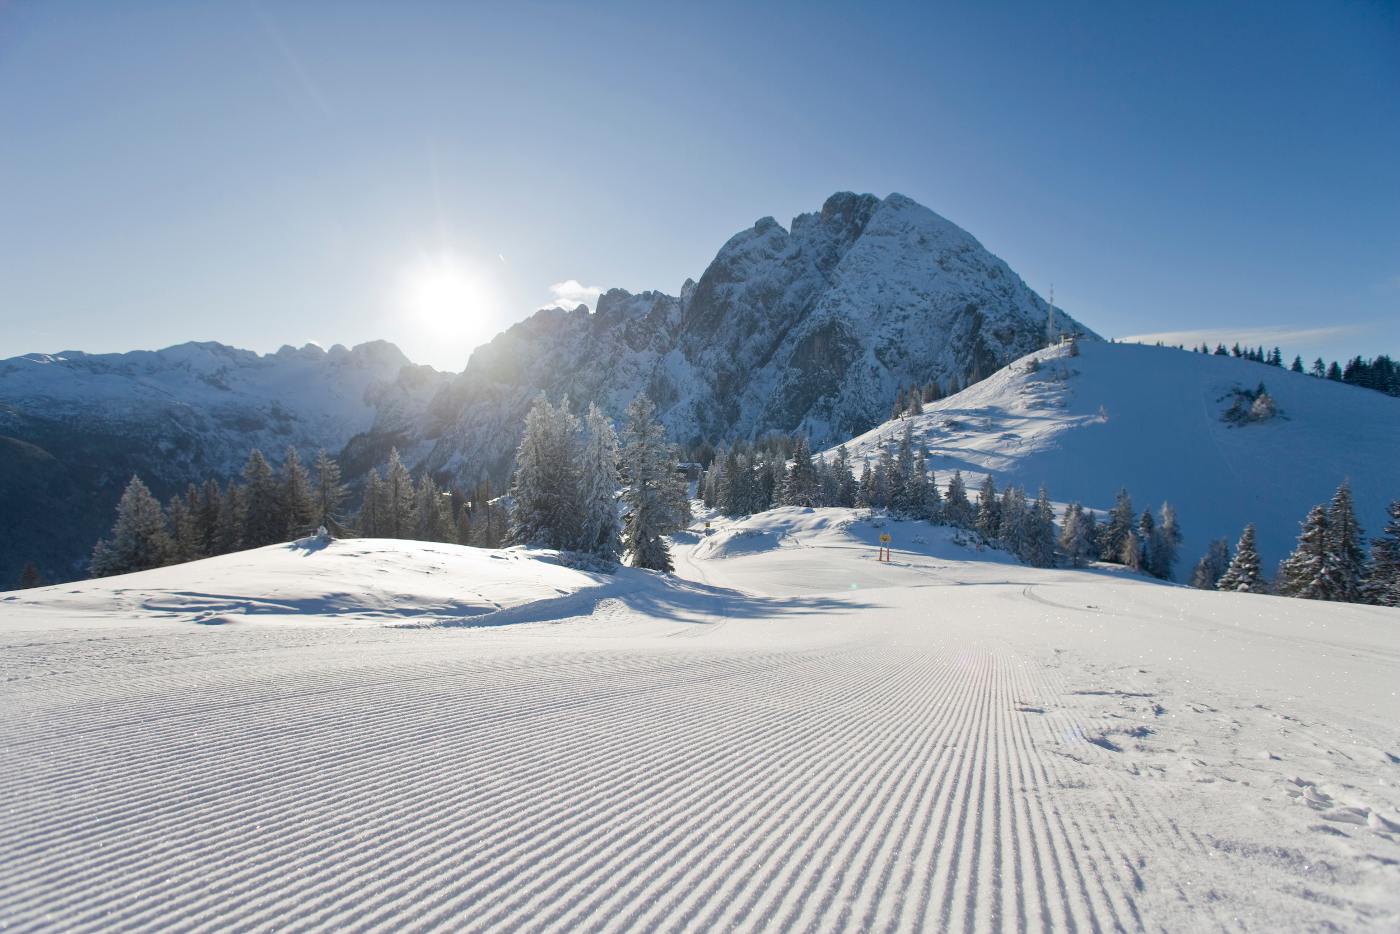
[925, 503]
[1319, 369]
[650, 496]
[957, 510]
[1383, 583]
[883, 480]
[800, 486]
[1092, 533]
[548, 501]
[399, 499]
[865, 489]
[327, 495]
[372, 507]
[264, 522]
[298, 507]
[139, 540]
[1117, 541]
[233, 509]
[184, 530]
[207, 517]
[1075, 539]
[1039, 533]
[1297, 365]
[601, 528]
[1344, 542]
[1162, 544]
[1013, 513]
[30, 576]
[1309, 571]
[988, 510]
[1243, 576]
[432, 513]
[1212, 566]
[1334, 372]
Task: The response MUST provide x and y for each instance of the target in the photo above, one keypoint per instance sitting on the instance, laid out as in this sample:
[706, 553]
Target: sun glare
[445, 295]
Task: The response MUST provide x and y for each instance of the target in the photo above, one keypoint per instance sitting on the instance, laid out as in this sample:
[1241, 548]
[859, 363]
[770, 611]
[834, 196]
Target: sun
[443, 294]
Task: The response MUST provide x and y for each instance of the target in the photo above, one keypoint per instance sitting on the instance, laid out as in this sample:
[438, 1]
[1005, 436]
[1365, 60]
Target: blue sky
[261, 173]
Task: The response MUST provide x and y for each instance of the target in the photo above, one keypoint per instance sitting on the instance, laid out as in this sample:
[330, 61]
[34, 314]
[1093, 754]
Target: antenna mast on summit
[1050, 317]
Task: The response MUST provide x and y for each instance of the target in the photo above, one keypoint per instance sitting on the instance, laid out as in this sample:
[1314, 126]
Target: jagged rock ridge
[808, 329]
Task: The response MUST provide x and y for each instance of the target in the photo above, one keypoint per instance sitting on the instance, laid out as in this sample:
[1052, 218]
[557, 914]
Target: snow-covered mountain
[74, 427]
[812, 329]
[1152, 419]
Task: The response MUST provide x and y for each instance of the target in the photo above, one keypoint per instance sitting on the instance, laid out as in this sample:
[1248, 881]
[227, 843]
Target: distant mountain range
[812, 328]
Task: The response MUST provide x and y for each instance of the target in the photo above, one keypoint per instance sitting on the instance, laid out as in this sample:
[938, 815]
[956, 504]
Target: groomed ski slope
[789, 735]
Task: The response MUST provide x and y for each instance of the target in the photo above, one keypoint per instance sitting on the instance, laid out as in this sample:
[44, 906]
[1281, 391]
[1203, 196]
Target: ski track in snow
[928, 759]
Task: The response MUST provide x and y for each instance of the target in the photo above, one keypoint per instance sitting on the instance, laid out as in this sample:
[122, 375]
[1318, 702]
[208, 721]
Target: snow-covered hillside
[1150, 419]
[788, 734]
[364, 581]
[74, 427]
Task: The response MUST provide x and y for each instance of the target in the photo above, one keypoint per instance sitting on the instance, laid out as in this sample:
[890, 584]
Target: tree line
[1330, 561]
[743, 480]
[266, 506]
[1379, 373]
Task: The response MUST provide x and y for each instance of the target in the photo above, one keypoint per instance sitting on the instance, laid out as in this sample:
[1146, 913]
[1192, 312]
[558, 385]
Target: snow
[793, 735]
[355, 581]
[1150, 419]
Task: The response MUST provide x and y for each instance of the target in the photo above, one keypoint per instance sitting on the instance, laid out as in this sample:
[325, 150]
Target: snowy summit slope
[1150, 419]
[787, 735]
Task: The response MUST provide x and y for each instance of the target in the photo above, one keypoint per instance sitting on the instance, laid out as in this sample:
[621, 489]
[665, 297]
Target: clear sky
[261, 173]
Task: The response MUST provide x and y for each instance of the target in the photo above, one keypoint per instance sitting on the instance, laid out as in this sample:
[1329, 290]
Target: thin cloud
[571, 293]
[1250, 336]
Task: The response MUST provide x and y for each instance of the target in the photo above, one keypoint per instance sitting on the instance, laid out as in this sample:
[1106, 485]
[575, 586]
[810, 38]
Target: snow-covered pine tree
[1309, 571]
[233, 508]
[1382, 585]
[649, 497]
[865, 487]
[883, 487]
[1163, 544]
[907, 491]
[400, 503]
[957, 510]
[297, 504]
[1243, 576]
[1012, 513]
[207, 517]
[1345, 540]
[1040, 532]
[264, 521]
[432, 513]
[1212, 566]
[139, 539]
[599, 480]
[1146, 531]
[925, 503]
[800, 485]
[1075, 541]
[545, 487]
[184, 530]
[371, 518]
[327, 495]
[1117, 534]
[988, 510]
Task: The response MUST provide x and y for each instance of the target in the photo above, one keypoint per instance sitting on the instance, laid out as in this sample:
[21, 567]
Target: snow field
[954, 742]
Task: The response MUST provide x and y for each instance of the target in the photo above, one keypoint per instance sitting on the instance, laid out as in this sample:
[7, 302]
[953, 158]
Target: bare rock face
[810, 329]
